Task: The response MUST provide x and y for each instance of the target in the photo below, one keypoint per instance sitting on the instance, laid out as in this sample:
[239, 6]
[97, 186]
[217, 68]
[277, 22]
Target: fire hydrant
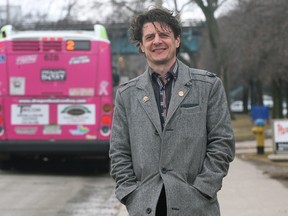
[259, 131]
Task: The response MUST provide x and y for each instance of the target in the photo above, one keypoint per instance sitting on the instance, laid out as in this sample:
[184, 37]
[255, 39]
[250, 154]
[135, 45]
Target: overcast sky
[56, 12]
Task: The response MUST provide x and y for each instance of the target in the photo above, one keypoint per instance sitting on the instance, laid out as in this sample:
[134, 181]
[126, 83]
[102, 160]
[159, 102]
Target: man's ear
[178, 41]
[142, 47]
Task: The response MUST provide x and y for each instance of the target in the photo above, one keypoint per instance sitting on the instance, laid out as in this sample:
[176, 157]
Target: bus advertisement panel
[56, 93]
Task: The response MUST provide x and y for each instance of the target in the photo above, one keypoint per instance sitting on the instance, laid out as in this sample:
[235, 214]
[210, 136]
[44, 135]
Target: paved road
[247, 191]
[61, 193]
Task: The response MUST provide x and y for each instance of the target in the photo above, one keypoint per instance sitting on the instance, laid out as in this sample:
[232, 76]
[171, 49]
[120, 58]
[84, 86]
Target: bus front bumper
[62, 147]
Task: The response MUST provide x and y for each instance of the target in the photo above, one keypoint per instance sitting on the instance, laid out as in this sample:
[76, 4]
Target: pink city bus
[56, 95]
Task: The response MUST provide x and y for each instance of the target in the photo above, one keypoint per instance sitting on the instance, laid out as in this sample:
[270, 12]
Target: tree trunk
[286, 98]
[259, 92]
[245, 99]
[277, 98]
[215, 42]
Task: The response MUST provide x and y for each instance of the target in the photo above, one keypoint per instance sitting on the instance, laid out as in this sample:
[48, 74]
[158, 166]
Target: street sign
[280, 135]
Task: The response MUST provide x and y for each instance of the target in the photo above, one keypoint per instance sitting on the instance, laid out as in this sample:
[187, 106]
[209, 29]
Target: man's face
[159, 44]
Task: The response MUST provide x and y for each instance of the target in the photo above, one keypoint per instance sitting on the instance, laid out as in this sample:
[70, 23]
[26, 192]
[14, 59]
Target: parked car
[237, 106]
[267, 101]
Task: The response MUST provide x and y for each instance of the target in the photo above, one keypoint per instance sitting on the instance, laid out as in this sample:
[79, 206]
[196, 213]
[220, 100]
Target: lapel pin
[181, 93]
[145, 99]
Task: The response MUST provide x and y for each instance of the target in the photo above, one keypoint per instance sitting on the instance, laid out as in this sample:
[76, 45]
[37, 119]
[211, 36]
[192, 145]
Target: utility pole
[7, 12]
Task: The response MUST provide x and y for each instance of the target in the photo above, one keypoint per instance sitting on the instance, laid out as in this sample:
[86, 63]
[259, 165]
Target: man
[172, 140]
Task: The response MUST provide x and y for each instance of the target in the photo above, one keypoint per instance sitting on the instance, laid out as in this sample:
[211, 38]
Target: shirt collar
[173, 71]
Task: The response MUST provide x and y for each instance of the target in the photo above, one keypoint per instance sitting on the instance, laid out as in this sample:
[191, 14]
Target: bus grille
[26, 45]
[52, 45]
[35, 46]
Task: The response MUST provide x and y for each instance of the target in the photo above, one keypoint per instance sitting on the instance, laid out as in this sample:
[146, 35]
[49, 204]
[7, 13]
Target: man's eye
[164, 35]
[149, 37]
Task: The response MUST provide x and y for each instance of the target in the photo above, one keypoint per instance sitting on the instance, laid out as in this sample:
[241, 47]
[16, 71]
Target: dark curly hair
[158, 14]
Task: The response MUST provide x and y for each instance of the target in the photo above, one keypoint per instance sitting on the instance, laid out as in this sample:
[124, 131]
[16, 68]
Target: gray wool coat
[190, 156]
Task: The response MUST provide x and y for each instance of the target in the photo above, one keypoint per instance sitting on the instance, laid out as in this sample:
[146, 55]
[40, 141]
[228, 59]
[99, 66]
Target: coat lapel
[180, 90]
[147, 99]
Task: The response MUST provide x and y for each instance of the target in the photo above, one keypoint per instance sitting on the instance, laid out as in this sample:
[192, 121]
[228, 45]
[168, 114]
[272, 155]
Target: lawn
[242, 126]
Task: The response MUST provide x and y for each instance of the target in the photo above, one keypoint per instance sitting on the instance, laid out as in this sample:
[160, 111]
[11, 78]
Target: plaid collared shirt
[163, 90]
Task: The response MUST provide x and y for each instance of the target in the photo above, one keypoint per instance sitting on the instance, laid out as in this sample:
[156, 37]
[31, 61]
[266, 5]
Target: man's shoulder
[202, 75]
[126, 85]
[199, 74]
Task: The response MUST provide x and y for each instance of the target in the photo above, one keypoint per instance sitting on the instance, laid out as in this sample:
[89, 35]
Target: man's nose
[157, 39]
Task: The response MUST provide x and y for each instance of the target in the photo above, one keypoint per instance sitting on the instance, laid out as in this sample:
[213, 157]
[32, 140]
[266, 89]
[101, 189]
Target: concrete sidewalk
[247, 191]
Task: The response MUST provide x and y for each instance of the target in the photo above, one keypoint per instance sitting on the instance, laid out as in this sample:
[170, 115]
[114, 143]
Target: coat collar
[146, 96]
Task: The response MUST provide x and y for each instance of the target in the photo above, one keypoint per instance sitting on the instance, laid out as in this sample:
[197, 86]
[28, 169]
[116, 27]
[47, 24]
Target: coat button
[148, 210]
[156, 133]
[164, 170]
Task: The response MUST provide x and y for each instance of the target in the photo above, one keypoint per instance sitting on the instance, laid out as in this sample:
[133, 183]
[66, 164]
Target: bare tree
[71, 4]
[209, 8]
[256, 37]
